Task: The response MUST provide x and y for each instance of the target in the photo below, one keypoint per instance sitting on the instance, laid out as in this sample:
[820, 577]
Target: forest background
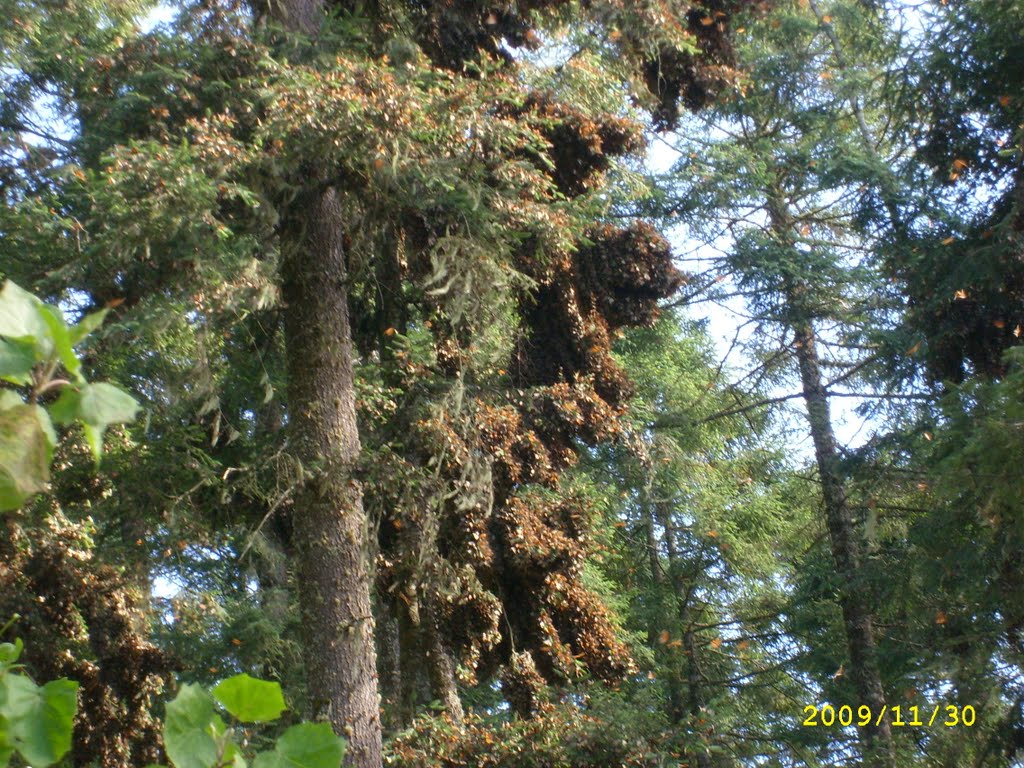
[357, 330]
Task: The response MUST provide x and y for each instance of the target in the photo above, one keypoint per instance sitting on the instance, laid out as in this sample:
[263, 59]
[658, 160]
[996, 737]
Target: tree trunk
[858, 623]
[329, 523]
[654, 562]
[695, 679]
[857, 619]
[694, 700]
[415, 685]
[676, 704]
[389, 666]
[441, 670]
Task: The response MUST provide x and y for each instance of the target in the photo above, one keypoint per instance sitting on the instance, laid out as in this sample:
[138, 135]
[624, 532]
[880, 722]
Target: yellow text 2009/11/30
[947, 715]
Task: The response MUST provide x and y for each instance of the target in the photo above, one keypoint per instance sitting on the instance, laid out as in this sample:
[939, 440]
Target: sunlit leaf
[307, 745]
[250, 700]
[187, 729]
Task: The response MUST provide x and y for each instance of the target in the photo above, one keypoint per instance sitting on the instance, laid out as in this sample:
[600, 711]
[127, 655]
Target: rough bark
[301, 16]
[330, 530]
[857, 617]
[426, 666]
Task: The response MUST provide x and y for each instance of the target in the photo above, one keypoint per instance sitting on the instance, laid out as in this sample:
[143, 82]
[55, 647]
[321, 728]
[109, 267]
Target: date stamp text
[932, 715]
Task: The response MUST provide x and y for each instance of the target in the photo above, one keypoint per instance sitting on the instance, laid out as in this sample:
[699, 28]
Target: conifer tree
[296, 163]
[778, 177]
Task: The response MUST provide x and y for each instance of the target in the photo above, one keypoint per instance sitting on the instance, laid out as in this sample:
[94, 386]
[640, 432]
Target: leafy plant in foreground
[196, 736]
[35, 721]
[37, 353]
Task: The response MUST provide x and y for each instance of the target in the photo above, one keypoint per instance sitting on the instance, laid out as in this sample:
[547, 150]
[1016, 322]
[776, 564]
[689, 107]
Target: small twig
[9, 624]
[273, 508]
[52, 384]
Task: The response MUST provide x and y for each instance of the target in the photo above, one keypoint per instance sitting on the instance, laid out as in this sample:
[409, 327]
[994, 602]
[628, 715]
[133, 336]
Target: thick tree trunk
[857, 618]
[427, 670]
[330, 528]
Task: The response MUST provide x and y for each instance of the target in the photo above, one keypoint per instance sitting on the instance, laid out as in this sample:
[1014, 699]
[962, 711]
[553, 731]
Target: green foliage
[189, 730]
[976, 527]
[306, 745]
[35, 721]
[195, 735]
[561, 736]
[250, 700]
[26, 449]
[185, 148]
[35, 343]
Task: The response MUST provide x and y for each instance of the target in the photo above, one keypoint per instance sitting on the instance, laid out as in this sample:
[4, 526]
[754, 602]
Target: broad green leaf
[6, 747]
[217, 726]
[48, 732]
[306, 745]
[10, 653]
[187, 728]
[66, 409]
[61, 336]
[39, 720]
[233, 757]
[17, 358]
[87, 325]
[104, 404]
[9, 399]
[100, 405]
[47, 426]
[20, 317]
[250, 700]
[94, 437]
[26, 449]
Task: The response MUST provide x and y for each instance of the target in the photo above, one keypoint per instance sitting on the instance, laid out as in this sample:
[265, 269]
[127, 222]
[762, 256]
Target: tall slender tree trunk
[414, 684]
[858, 621]
[329, 524]
[389, 666]
[857, 615]
[676, 703]
[654, 626]
[695, 680]
[693, 702]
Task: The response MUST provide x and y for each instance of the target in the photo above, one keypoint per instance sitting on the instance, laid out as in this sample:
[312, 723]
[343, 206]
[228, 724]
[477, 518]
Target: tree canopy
[435, 384]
